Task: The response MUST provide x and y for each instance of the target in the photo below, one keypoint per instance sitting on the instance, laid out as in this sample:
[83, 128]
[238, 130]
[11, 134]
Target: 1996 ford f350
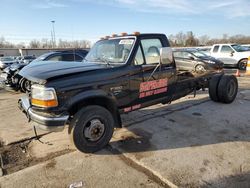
[120, 74]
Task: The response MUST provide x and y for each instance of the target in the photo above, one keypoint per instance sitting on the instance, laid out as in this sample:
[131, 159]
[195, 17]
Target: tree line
[188, 39]
[180, 39]
[46, 43]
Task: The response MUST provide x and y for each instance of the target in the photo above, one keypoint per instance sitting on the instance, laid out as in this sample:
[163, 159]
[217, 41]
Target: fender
[90, 95]
[110, 102]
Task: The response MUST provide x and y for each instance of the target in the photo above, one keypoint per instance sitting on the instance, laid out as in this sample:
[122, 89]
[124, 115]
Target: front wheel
[242, 65]
[200, 69]
[91, 128]
[25, 85]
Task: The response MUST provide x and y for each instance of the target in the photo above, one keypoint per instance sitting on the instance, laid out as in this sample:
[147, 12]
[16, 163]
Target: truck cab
[232, 55]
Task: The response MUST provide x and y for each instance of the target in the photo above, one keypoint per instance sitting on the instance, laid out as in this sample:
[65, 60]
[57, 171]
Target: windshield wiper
[99, 59]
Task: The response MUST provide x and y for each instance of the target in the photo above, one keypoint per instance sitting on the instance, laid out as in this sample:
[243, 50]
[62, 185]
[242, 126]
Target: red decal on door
[153, 87]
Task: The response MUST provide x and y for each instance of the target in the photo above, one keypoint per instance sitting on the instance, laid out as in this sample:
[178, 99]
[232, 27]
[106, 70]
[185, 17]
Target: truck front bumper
[44, 122]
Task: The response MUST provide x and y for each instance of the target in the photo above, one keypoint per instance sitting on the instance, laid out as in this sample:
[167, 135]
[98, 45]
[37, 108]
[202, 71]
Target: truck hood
[206, 58]
[245, 54]
[41, 72]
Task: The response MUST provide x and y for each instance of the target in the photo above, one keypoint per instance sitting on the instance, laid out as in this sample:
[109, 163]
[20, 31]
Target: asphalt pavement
[192, 142]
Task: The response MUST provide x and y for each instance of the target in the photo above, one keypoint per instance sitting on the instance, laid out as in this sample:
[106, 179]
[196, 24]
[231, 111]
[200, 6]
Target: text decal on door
[153, 87]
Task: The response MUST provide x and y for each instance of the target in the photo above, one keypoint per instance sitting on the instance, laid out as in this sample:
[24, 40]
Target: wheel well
[101, 101]
[242, 60]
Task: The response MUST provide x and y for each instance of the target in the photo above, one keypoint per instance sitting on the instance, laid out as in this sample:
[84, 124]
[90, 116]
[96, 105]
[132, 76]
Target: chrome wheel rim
[200, 68]
[94, 130]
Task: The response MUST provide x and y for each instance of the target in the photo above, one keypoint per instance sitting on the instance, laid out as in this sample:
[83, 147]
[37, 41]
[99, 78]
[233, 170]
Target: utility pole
[53, 33]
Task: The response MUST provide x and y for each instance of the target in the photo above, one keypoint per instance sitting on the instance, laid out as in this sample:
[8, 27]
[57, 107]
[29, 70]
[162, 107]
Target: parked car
[232, 55]
[67, 55]
[195, 61]
[16, 82]
[6, 61]
[247, 46]
[205, 50]
[27, 59]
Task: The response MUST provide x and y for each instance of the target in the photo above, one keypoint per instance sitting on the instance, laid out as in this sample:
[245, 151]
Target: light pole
[53, 33]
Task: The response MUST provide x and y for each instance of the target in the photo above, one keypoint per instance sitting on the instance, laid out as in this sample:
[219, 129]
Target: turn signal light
[114, 35]
[124, 34]
[43, 103]
[136, 33]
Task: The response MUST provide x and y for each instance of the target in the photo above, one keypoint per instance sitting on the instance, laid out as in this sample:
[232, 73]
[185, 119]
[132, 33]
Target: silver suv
[232, 55]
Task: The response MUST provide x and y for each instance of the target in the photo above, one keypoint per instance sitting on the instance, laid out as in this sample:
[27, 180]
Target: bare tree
[34, 44]
[191, 40]
[2, 40]
[181, 39]
[73, 44]
[46, 43]
[203, 40]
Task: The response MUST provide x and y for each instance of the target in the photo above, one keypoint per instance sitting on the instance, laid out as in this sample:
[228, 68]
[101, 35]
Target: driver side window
[150, 49]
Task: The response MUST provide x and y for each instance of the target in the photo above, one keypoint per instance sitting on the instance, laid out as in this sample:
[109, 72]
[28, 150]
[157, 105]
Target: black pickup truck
[120, 74]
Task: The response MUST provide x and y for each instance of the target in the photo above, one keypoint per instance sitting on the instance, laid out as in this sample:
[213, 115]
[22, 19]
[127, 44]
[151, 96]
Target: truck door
[226, 55]
[152, 81]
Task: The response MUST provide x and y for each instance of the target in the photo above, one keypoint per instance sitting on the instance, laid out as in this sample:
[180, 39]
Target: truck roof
[135, 35]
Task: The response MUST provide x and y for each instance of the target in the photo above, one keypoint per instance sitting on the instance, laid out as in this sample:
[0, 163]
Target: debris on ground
[76, 184]
[16, 157]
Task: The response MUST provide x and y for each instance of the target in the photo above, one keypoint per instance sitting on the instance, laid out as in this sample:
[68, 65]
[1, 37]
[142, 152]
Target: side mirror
[166, 56]
[191, 57]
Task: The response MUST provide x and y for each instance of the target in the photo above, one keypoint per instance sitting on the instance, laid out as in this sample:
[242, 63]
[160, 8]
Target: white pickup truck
[232, 55]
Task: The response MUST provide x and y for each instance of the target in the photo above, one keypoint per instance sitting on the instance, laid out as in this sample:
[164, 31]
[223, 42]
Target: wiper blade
[102, 60]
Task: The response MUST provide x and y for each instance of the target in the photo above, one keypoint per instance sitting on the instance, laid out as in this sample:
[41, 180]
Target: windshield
[42, 57]
[199, 54]
[111, 51]
[6, 59]
[240, 48]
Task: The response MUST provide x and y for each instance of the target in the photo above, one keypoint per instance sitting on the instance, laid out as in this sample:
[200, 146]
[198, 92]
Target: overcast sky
[24, 20]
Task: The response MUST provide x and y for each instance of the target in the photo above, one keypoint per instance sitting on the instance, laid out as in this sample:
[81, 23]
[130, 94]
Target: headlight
[43, 97]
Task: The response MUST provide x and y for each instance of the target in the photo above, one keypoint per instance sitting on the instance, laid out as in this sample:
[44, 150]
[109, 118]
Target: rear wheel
[91, 128]
[227, 89]
[242, 65]
[213, 88]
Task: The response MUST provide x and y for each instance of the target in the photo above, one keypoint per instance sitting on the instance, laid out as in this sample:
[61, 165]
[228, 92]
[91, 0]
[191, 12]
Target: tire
[227, 89]
[24, 85]
[213, 87]
[200, 69]
[242, 65]
[91, 128]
